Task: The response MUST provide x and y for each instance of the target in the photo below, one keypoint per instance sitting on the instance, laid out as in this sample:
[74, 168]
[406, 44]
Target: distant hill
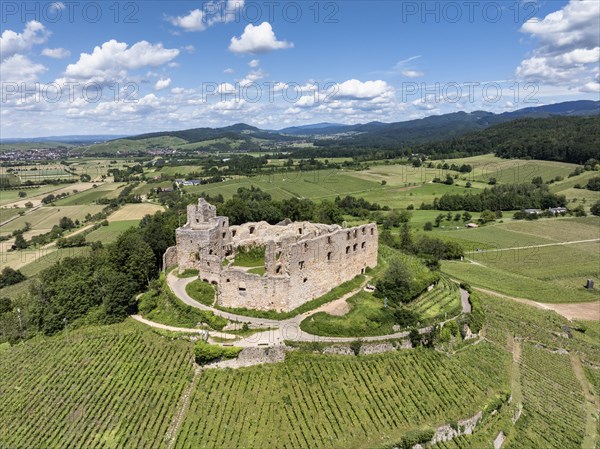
[76, 139]
[373, 135]
[566, 139]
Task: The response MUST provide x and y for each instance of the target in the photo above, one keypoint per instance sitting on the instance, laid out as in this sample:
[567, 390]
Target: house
[472, 225]
[532, 211]
[557, 210]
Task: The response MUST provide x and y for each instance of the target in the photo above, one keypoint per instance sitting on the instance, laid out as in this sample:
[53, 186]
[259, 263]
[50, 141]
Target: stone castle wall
[303, 260]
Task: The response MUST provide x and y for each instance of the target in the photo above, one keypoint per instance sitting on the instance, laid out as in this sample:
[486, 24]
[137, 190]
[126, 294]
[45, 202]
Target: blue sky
[153, 65]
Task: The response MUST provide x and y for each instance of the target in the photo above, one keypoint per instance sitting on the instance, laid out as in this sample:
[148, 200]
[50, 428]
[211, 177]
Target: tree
[328, 213]
[415, 337]
[22, 194]
[593, 184]
[449, 180]
[467, 216]
[28, 204]
[595, 209]
[10, 276]
[492, 181]
[468, 184]
[487, 216]
[537, 181]
[396, 283]
[404, 317]
[20, 242]
[428, 226]
[5, 305]
[85, 178]
[438, 220]
[457, 217]
[406, 241]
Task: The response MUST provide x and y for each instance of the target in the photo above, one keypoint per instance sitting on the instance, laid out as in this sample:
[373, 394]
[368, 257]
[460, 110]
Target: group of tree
[431, 249]
[500, 197]
[9, 276]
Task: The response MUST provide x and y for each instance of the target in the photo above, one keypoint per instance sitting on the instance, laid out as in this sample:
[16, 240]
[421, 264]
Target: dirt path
[592, 404]
[574, 242]
[588, 311]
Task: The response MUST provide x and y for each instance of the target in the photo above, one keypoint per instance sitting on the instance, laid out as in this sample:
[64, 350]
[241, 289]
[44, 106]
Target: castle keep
[303, 260]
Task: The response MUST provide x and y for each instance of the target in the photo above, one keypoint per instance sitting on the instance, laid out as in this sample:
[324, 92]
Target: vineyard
[338, 401]
[441, 302]
[553, 402]
[108, 387]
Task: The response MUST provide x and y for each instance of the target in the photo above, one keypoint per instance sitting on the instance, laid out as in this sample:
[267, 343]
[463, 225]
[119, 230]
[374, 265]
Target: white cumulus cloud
[412, 73]
[12, 43]
[112, 59]
[20, 69]
[257, 39]
[193, 21]
[162, 83]
[362, 90]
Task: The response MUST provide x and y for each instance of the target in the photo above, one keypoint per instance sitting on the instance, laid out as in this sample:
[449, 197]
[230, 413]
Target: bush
[355, 346]
[10, 277]
[206, 353]
[417, 436]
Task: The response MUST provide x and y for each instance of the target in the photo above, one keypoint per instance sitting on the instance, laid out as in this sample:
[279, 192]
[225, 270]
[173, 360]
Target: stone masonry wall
[302, 260]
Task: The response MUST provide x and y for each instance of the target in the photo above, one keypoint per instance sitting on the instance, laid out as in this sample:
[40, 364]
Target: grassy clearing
[253, 256]
[202, 292]
[48, 216]
[552, 274]
[110, 233]
[135, 212]
[368, 315]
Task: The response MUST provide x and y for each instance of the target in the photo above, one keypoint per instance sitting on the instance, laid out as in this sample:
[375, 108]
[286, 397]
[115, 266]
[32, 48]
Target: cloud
[568, 45]
[194, 21]
[229, 70]
[20, 69]
[412, 73]
[358, 90]
[162, 83]
[56, 53]
[210, 14]
[257, 39]
[112, 60]
[57, 6]
[254, 63]
[12, 43]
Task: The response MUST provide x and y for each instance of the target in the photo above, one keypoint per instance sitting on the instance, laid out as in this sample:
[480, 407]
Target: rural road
[279, 330]
[532, 246]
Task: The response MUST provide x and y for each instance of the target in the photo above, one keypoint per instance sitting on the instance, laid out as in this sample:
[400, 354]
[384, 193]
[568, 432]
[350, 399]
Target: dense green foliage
[205, 353]
[10, 277]
[501, 197]
[567, 139]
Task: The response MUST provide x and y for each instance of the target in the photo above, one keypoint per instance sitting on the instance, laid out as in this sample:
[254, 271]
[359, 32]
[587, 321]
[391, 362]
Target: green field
[10, 196]
[110, 233]
[48, 216]
[89, 196]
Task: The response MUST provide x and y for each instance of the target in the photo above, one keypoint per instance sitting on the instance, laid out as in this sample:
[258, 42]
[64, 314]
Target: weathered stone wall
[170, 258]
[302, 260]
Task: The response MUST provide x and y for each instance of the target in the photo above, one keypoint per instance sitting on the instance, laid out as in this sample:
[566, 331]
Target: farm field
[7, 214]
[11, 196]
[552, 274]
[106, 387]
[14, 200]
[513, 233]
[134, 212]
[108, 234]
[48, 216]
[90, 196]
[339, 401]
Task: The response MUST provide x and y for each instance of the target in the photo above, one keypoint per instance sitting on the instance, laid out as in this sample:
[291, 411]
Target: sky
[132, 67]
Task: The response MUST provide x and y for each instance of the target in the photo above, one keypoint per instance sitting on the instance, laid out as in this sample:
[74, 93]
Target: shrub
[355, 346]
[206, 353]
[417, 436]
[10, 277]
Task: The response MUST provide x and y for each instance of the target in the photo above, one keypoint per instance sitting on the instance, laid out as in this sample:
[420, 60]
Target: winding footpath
[278, 331]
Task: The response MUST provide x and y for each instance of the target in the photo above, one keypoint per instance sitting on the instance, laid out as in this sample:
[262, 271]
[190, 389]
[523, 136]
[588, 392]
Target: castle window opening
[355, 233]
[299, 230]
[251, 229]
[363, 245]
[304, 280]
[227, 280]
[210, 252]
[233, 233]
[347, 250]
[372, 231]
[348, 235]
[329, 240]
[278, 269]
[364, 231]
[329, 255]
[354, 247]
[301, 264]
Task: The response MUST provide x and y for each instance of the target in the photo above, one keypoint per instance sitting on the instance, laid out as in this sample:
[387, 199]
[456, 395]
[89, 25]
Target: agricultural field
[134, 212]
[90, 196]
[340, 401]
[48, 216]
[105, 387]
[110, 233]
[545, 274]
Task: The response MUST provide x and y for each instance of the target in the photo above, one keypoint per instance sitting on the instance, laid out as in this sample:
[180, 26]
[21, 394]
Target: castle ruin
[302, 260]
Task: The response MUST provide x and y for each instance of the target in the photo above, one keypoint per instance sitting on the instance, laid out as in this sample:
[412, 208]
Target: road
[279, 330]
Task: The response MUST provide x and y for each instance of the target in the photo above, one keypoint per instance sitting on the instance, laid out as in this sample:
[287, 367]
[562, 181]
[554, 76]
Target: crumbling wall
[170, 258]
